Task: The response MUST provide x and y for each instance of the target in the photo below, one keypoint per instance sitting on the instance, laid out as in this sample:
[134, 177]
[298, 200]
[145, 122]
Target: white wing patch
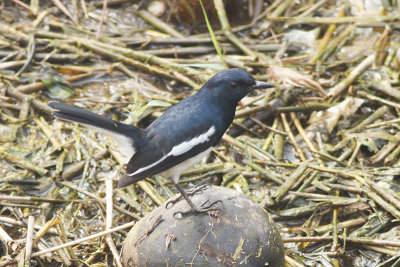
[186, 146]
[180, 149]
[148, 166]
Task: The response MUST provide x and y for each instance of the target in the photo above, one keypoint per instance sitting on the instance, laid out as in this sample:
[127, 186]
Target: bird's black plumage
[181, 134]
[72, 113]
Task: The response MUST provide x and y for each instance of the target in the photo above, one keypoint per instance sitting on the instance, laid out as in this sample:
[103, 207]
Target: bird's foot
[205, 207]
[190, 192]
[196, 189]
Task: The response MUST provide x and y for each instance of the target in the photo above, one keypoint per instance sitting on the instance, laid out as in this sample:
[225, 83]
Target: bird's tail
[128, 137]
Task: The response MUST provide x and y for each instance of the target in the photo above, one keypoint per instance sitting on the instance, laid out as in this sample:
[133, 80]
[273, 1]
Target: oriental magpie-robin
[181, 136]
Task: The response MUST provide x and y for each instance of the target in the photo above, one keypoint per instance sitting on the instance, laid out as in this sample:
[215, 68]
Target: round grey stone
[238, 233]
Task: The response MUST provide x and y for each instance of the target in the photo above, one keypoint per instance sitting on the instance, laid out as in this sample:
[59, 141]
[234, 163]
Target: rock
[239, 233]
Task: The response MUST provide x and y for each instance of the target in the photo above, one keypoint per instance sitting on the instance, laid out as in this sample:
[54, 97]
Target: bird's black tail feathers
[116, 129]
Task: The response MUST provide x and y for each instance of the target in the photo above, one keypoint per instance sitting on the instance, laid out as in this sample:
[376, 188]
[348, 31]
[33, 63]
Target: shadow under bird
[180, 137]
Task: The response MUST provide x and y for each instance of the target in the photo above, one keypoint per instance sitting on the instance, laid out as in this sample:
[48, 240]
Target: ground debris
[320, 152]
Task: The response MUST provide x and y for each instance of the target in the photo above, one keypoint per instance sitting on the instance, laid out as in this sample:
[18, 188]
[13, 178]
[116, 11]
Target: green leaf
[57, 87]
[158, 103]
[60, 90]
[152, 103]
[213, 38]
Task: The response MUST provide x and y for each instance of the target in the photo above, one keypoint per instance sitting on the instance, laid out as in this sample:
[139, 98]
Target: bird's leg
[189, 192]
[193, 207]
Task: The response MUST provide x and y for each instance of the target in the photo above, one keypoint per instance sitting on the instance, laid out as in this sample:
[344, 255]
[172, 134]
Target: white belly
[176, 171]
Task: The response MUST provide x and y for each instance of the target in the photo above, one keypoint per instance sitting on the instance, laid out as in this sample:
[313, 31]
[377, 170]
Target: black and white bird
[181, 136]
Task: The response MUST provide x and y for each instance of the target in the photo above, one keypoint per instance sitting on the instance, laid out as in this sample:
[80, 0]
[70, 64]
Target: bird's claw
[201, 209]
[190, 192]
[196, 189]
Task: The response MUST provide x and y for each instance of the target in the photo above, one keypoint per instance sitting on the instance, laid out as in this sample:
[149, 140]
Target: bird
[182, 136]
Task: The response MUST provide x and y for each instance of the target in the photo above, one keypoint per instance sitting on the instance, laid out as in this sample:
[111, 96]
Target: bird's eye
[233, 85]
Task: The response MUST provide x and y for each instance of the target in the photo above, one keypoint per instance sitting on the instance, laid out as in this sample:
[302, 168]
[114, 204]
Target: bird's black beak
[260, 85]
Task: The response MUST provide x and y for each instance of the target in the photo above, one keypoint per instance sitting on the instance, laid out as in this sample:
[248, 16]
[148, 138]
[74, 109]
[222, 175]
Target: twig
[119, 57]
[325, 40]
[151, 192]
[78, 241]
[293, 262]
[373, 242]
[98, 199]
[36, 199]
[291, 137]
[150, 229]
[109, 219]
[64, 10]
[159, 24]
[29, 54]
[219, 5]
[103, 15]
[33, 87]
[23, 163]
[379, 99]
[290, 181]
[280, 8]
[22, 4]
[362, 20]
[341, 86]
[29, 241]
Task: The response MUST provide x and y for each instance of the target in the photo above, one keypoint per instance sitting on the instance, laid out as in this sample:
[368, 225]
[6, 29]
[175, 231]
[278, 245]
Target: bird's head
[233, 84]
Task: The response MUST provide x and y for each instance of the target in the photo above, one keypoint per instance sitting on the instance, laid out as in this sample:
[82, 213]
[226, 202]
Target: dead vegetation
[320, 153]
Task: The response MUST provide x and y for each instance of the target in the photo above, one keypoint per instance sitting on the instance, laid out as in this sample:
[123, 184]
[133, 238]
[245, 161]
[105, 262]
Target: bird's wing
[162, 153]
